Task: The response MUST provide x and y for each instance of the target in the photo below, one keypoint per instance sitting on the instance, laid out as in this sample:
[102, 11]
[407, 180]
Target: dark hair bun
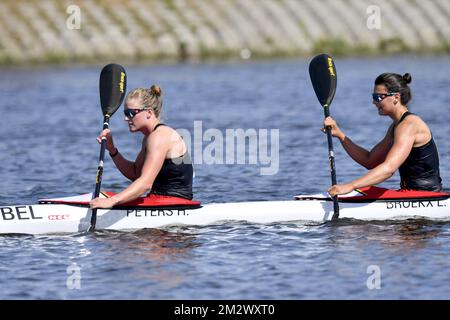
[156, 90]
[407, 78]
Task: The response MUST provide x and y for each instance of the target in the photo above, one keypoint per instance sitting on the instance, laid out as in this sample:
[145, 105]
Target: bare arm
[157, 148]
[401, 148]
[126, 167]
[368, 159]
[129, 168]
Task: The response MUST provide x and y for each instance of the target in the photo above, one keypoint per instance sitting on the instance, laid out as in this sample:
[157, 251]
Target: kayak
[72, 214]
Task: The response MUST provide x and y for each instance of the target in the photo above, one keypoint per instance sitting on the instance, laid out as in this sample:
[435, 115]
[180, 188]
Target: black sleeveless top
[175, 177]
[420, 171]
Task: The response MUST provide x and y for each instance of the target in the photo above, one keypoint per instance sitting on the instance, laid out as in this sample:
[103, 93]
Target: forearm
[126, 167]
[357, 153]
[132, 192]
[375, 176]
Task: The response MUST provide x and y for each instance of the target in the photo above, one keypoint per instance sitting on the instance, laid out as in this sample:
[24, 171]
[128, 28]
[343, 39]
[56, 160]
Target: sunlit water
[50, 118]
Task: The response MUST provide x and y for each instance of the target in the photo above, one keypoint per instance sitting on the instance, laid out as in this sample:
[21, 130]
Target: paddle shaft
[326, 110]
[99, 171]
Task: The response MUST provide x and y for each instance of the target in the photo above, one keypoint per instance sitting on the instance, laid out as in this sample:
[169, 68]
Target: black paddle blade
[113, 84]
[323, 77]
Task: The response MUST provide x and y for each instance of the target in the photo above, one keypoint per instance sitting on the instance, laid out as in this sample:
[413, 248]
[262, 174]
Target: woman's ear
[149, 113]
[397, 97]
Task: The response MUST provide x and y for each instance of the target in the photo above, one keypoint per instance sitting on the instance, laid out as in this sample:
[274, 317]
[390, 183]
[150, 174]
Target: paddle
[113, 82]
[323, 77]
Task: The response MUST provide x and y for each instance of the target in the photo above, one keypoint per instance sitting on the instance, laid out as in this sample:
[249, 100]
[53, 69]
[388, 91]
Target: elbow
[141, 187]
[389, 174]
[146, 187]
[369, 165]
[389, 170]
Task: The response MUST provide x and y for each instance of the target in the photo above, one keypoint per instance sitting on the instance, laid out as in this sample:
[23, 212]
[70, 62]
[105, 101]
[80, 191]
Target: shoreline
[56, 32]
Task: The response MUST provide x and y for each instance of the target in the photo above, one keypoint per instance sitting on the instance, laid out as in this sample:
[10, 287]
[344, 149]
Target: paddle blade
[323, 77]
[113, 83]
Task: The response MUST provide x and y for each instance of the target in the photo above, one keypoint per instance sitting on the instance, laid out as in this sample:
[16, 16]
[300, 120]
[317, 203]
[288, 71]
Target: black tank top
[420, 171]
[175, 177]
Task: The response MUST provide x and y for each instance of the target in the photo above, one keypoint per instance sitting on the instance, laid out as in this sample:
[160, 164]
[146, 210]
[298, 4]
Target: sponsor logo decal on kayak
[19, 213]
[413, 204]
[58, 216]
[157, 213]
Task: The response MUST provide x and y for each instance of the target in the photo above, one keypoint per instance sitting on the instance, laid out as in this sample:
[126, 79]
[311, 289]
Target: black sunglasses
[131, 113]
[378, 97]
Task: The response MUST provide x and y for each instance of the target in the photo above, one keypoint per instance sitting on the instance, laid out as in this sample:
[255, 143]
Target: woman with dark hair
[407, 146]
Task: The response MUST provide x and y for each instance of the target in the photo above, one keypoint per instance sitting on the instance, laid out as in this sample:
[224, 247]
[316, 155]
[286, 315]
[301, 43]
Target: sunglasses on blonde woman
[131, 113]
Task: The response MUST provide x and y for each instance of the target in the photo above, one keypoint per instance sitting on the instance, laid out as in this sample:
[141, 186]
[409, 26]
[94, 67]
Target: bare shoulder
[415, 122]
[414, 125]
[165, 132]
[412, 118]
[163, 136]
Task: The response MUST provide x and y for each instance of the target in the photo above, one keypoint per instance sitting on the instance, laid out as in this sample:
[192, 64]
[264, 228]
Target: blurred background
[61, 31]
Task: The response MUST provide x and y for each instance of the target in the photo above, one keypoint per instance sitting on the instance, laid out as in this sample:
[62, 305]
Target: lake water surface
[51, 117]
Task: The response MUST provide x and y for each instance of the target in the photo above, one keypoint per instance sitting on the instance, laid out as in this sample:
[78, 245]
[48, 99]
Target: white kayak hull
[64, 218]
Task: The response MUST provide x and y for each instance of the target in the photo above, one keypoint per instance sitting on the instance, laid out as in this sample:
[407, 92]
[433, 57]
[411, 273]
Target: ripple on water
[54, 153]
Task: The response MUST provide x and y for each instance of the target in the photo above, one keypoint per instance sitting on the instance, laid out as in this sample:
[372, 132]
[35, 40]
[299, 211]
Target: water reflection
[417, 230]
[152, 244]
[411, 233]
[148, 255]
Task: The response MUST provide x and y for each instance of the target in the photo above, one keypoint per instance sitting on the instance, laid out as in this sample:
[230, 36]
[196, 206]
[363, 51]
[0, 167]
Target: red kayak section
[154, 200]
[370, 194]
[151, 200]
[377, 193]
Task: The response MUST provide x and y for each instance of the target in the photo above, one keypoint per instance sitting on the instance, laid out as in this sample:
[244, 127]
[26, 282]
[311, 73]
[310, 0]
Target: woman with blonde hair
[163, 165]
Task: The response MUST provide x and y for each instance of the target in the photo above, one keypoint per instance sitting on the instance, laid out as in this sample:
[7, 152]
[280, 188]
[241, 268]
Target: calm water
[50, 118]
